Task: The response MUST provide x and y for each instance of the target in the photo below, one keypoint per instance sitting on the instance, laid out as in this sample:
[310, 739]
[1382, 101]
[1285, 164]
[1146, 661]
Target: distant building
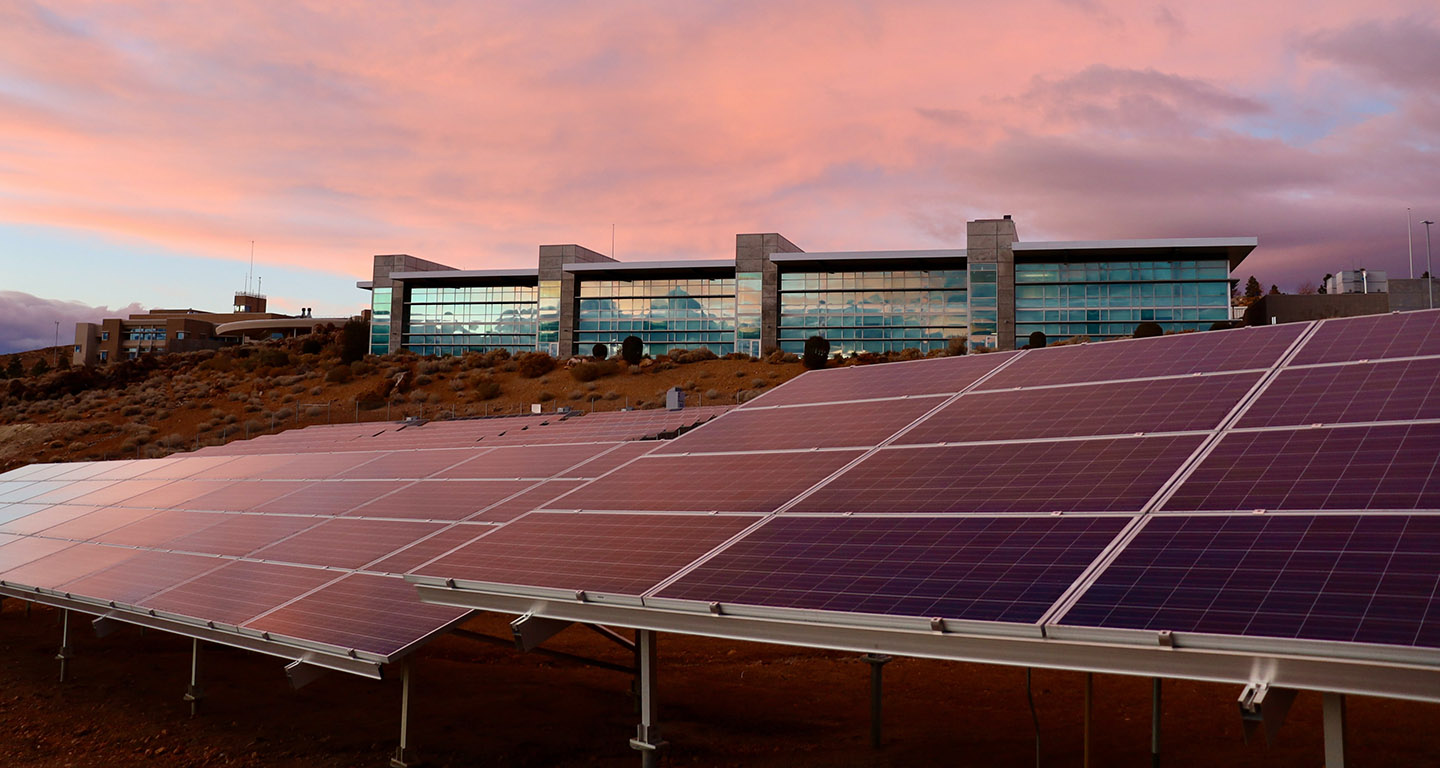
[165, 331]
[1355, 281]
[1347, 294]
[772, 295]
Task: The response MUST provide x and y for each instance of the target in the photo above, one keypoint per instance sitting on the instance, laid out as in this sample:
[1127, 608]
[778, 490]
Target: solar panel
[534, 498]
[11, 512]
[64, 565]
[1216, 351]
[45, 517]
[1105, 475]
[1402, 390]
[970, 568]
[16, 553]
[613, 458]
[614, 554]
[175, 494]
[441, 499]
[143, 573]
[156, 528]
[1373, 337]
[941, 375]
[374, 614]
[239, 535]
[1156, 405]
[754, 482]
[244, 496]
[424, 550]
[533, 462]
[342, 543]
[331, 497]
[237, 592]
[22, 490]
[411, 464]
[67, 491]
[314, 466]
[1351, 578]
[116, 492]
[96, 522]
[1340, 468]
[839, 425]
[182, 467]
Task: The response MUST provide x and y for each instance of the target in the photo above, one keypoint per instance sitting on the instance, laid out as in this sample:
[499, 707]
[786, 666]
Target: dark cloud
[1137, 101]
[1404, 53]
[29, 321]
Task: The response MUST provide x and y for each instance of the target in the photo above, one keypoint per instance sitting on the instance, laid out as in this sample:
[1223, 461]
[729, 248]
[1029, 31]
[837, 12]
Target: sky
[145, 145]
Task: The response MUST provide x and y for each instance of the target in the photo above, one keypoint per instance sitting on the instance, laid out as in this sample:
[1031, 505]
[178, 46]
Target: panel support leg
[1089, 702]
[404, 755]
[1333, 707]
[647, 735]
[64, 655]
[1155, 723]
[877, 663]
[194, 693]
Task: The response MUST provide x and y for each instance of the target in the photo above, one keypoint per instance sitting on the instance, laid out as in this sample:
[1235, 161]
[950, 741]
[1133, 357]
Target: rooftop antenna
[251, 271]
[612, 242]
[1410, 240]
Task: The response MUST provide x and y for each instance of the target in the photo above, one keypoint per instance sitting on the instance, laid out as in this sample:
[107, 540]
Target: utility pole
[1429, 270]
[55, 353]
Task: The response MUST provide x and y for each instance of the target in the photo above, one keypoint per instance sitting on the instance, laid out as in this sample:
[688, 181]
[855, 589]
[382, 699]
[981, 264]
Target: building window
[104, 355]
[104, 335]
[179, 335]
[873, 311]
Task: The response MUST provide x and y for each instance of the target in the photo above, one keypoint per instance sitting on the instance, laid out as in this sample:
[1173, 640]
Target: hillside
[155, 406]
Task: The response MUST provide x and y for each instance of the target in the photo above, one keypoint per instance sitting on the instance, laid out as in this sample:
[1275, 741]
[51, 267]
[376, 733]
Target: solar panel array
[1272, 482]
[303, 547]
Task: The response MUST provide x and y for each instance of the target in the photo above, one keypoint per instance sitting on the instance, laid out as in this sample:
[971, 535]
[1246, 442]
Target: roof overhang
[1232, 249]
[833, 261]
[277, 324]
[631, 270]
[465, 277]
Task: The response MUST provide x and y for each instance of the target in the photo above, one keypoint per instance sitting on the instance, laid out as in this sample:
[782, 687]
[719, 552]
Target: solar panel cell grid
[1237, 350]
[143, 574]
[1108, 475]
[116, 492]
[183, 467]
[45, 517]
[97, 522]
[817, 426]
[172, 495]
[757, 482]
[242, 496]
[23, 490]
[65, 565]
[1343, 468]
[613, 458]
[1373, 337]
[407, 559]
[239, 591]
[538, 496]
[315, 466]
[615, 554]
[239, 535]
[441, 499]
[68, 491]
[525, 462]
[971, 568]
[331, 497]
[158, 528]
[1349, 578]
[344, 543]
[11, 512]
[376, 614]
[21, 551]
[1159, 405]
[944, 375]
[407, 464]
[1402, 390]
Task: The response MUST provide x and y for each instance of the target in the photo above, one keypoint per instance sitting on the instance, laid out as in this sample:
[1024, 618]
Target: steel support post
[1333, 708]
[194, 694]
[1155, 723]
[877, 663]
[64, 655]
[404, 755]
[1089, 707]
[647, 735]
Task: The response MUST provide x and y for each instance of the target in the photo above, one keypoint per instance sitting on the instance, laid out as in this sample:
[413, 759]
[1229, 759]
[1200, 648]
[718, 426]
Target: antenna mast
[251, 271]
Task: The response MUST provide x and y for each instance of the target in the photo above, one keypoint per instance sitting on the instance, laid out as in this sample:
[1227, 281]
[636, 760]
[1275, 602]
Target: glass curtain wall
[984, 311]
[1108, 299]
[665, 314]
[748, 307]
[873, 311]
[380, 320]
[453, 321]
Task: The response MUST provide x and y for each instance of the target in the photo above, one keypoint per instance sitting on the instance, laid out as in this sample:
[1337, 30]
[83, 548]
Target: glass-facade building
[993, 294]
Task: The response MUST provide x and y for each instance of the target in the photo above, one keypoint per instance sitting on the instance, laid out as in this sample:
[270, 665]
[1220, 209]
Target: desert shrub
[535, 364]
[354, 340]
[711, 394]
[274, 357]
[423, 380]
[632, 349]
[433, 366]
[697, 355]
[908, 353]
[1148, 330]
[457, 385]
[758, 383]
[575, 394]
[361, 368]
[957, 345]
[584, 372]
[285, 413]
[545, 396]
[340, 374]
[311, 346]
[486, 389]
[817, 349]
[778, 357]
[40, 368]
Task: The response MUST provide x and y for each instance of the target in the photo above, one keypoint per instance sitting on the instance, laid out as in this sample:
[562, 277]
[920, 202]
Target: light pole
[55, 355]
[1429, 270]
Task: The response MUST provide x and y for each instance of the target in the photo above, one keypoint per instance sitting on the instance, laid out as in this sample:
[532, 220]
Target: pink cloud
[470, 134]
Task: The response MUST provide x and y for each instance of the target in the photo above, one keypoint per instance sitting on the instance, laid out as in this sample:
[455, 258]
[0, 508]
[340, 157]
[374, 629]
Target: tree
[632, 349]
[817, 349]
[1147, 330]
[1307, 288]
[1324, 282]
[40, 368]
[354, 340]
[1252, 288]
[15, 369]
[1275, 290]
[1037, 340]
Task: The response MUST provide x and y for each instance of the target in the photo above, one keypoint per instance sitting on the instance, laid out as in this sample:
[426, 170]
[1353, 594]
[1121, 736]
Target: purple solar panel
[68, 491]
[530, 461]
[21, 551]
[237, 592]
[99, 521]
[1351, 578]
[183, 467]
[973, 568]
[1343, 468]
[1235, 350]
[423, 551]
[239, 535]
[753, 482]
[331, 497]
[342, 543]
[1111, 475]
[408, 464]
[1373, 337]
[613, 458]
[175, 494]
[10, 512]
[24, 490]
[143, 574]
[46, 517]
[244, 496]
[376, 614]
[65, 565]
[615, 554]
[943, 375]
[840, 425]
[1402, 390]
[117, 492]
[314, 466]
[534, 498]
[157, 528]
[441, 499]
[1157, 405]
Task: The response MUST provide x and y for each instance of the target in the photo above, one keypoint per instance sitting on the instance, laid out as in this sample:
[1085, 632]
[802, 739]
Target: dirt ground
[722, 704]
